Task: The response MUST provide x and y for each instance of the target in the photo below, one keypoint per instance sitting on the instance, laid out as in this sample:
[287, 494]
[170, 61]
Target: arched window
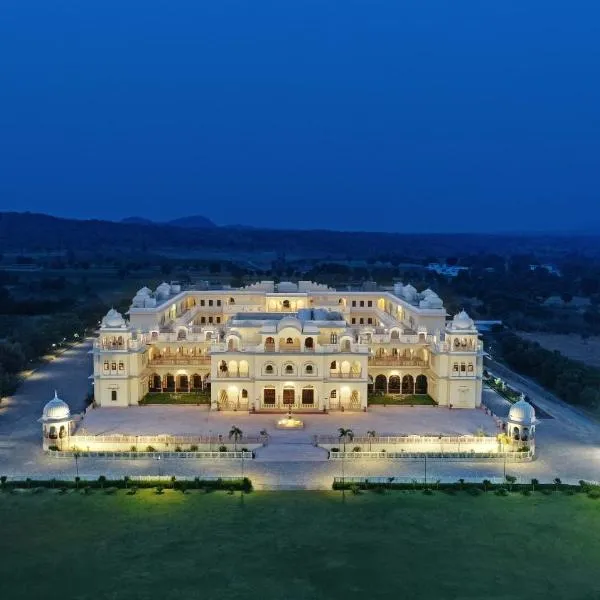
[231, 300]
[269, 369]
[421, 384]
[106, 365]
[245, 394]
[289, 369]
[309, 370]
[333, 338]
[121, 366]
[309, 343]
[470, 367]
[333, 365]
[333, 394]
[286, 304]
[289, 341]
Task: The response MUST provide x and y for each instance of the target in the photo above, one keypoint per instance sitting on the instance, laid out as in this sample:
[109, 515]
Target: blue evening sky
[456, 115]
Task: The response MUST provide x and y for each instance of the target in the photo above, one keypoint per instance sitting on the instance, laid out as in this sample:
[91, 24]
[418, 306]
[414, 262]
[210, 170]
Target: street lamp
[158, 459]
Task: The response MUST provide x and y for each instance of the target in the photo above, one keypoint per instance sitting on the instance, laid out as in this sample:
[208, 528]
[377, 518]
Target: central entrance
[289, 396]
[308, 397]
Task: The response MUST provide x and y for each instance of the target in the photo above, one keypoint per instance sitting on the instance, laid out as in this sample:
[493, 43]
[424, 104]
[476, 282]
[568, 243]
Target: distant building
[275, 347]
[548, 268]
[446, 270]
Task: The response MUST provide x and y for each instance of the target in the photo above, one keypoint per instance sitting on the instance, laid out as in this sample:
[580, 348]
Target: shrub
[355, 489]
[356, 449]
[178, 449]
[159, 490]
[546, 492]
[132, 491]
[53, 448]
[133, 449]
[222, 448]
[473, 491]
[335, 450]
[593, 494]
[150, 449]
[501, 492]
[110, 491]
[193, 448]
[428, 492]
[526, 492]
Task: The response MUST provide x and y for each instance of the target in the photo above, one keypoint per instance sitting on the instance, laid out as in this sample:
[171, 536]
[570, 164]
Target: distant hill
[137, 221]
[43, 233]
[192, 222]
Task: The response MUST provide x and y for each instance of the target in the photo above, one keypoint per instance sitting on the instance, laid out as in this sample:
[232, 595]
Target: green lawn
[410, 400]
[298, 545]
[176, 398]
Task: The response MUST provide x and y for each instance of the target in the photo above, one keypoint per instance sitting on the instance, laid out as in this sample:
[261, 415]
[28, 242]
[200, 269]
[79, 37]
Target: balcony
[179, 360]
[396, 361]
[233, 374]
[337, 375]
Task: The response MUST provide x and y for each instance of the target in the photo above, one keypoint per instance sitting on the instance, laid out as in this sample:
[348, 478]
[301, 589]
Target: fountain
[289, 422]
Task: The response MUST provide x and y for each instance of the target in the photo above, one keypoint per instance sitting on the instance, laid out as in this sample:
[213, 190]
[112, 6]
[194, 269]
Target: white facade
[272, 347]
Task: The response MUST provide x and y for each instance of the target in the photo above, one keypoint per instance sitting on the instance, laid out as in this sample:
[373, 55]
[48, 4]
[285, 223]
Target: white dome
[56, 410]
[287, 287]
[113, 318]
[290, 322]
[428, 292]
[145, 291]
[522, 412]
[462, 321]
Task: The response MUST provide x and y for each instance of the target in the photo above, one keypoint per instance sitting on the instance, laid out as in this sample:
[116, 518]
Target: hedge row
[240, 484]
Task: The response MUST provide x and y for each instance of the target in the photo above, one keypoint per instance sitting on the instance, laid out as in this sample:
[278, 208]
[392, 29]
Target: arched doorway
[169, 383]
[196, 382]
[183, 383]
[408, 384]
[394, 384]
[381, 384]
[309, 343]
[421, 384]
[269, 397]
[308, 396]
[289, 395]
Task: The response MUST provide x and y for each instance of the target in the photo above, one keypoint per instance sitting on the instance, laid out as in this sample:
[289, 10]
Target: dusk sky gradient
[377, 115]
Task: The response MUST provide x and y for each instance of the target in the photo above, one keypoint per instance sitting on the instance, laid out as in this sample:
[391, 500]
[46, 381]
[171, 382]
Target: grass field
[176, 398]
[570, 345]
[298, 545]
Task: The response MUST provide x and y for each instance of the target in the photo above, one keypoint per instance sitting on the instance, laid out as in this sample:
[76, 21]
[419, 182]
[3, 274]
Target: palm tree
[126, 480]
[347, 435]
[3, 479]
[534, 482]
[102, 481]
[486, 484]
[236, 434]
[371, 434]
[557, 483]
[510, 479]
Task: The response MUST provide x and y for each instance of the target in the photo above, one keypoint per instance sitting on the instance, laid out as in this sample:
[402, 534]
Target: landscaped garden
[402, 400]
[292, 545]
[176, 398]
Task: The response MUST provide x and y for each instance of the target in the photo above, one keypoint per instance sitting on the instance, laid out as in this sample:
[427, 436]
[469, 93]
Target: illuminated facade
[275, 347]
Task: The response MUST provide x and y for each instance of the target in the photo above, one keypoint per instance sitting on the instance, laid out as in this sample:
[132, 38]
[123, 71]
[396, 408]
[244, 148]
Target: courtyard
[282, 545]
[199, 420]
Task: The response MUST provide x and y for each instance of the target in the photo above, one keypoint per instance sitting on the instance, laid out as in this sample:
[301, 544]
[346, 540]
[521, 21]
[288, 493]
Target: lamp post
[425, 456]
[158, 462]
[210, 440]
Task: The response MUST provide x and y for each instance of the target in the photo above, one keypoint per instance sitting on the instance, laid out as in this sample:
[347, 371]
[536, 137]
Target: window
[289, 341]
[470, 367]
[353, 302]
[202, 319]
[370, 321]
[113, 395]
[286, 304]
[121, 366]
[269, 369]
[308, 396]
[218, 319]
[289, 369]
[353, 321]
[245, 394]
[333, 364]
[210, 319]
[309, 369]
[362, 302]
[333, 394]
[113, 366]
[231, 301]
[362, 321]
[455, 367]
[370, 303]
[333, 338]
[201, 302]
[218, 303]
[106, 365]
[463, 367]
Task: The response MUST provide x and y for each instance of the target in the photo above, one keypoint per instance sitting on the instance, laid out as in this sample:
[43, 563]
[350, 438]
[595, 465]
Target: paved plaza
[568, 443]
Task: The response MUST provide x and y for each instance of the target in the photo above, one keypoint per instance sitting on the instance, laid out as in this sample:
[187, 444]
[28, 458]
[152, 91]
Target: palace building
[276, 347]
